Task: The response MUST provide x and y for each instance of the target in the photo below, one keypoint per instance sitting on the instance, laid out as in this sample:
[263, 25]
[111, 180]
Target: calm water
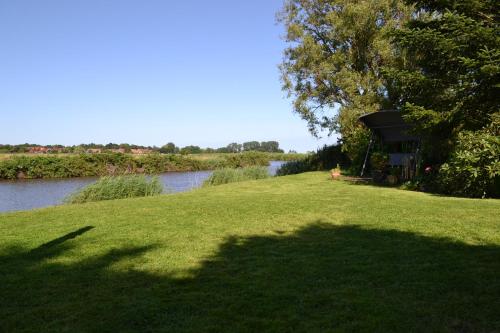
[36, 193]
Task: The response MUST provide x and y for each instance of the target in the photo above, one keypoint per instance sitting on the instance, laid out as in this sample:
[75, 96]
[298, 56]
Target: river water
[36, 193]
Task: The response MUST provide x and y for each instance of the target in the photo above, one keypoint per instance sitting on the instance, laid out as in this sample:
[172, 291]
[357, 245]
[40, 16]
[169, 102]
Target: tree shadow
[320, 278]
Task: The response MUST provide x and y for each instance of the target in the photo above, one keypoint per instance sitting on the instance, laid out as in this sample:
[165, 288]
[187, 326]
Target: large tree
[332, 65]
[447, 79]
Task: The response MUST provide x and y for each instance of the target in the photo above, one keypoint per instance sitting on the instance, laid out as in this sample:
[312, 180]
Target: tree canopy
[332, 65]
[438, 62]
[447, 79]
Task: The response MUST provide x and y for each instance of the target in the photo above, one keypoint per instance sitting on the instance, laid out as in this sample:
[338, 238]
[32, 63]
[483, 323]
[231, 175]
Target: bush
[246, 159]
[474, 167]
[379, 161]
[224, 176]
[325, 158]
[117, 187]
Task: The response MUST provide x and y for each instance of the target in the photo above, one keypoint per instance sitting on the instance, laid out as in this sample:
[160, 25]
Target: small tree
[251, 146]
[169, 148]
[234, 147]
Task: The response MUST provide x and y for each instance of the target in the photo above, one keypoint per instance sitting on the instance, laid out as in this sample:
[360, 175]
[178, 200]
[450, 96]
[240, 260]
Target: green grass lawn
[296, 253]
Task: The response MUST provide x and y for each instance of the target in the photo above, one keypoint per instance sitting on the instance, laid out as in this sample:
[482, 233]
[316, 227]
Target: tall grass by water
[225, 176]
[108, 164]
[118, 187]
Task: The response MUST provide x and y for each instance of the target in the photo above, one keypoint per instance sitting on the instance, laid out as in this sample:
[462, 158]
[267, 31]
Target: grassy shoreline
[85, 165]
[287, 253]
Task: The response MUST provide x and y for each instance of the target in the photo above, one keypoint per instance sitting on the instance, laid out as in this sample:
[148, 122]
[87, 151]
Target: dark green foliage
[117, 187]
[447, 84]
[270, 147]
[169, 148]
[225, 176]
[447, 79]
[325, 158]
[190, 150]
[474, 167]
[379, 161]
[251, 146]
[332, 64]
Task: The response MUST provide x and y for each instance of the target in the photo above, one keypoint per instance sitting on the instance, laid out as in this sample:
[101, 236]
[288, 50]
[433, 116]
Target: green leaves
[332, 65]
[447, 83]
[474, 166]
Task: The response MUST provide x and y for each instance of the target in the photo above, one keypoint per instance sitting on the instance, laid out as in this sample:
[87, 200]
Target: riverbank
[298, 253]
[37, 193]
[87, 165]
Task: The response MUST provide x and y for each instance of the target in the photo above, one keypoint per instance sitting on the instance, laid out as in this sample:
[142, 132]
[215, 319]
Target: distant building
[141, 151]
[38, 150]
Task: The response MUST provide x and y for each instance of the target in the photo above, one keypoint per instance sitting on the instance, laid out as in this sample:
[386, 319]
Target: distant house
[141, 151]
[38, 150]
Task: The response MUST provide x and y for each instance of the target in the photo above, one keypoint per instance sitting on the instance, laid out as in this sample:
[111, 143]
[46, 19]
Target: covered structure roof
[388, 124]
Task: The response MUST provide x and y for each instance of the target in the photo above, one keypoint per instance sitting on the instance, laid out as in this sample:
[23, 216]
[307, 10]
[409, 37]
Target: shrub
[117, 187]
[325, 158]
[474, 167]
[224, 176]
[379, 161]
[246, 159]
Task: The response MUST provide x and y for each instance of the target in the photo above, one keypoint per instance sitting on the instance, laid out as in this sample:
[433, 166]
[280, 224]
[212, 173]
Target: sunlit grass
[295, 253]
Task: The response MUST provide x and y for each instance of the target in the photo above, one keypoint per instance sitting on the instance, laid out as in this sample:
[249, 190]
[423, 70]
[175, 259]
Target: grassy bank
[85, 165]
[296, 253]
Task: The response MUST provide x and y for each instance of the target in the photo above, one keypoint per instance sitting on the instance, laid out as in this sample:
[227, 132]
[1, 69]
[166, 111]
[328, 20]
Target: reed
[225, 176]
[117, 187]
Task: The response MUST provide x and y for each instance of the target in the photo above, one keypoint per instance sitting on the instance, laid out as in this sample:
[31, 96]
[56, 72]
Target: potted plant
[378, 162]
[393, 178]
[335, 172]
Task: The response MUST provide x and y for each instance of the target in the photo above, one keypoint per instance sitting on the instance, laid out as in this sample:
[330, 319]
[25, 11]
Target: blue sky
[144, 72]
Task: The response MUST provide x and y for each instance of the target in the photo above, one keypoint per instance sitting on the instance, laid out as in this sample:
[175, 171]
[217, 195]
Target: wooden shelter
[393, 133]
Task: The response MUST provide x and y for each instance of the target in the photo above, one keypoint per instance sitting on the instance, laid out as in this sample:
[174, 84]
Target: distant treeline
[169, 148]
[84, 165]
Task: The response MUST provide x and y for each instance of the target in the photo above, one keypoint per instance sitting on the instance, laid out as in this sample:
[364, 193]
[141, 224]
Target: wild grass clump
[225, 176]
[118, 187]
[325, 158]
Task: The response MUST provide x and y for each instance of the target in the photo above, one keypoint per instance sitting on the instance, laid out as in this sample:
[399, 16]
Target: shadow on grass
[321, 278]
[42, 249]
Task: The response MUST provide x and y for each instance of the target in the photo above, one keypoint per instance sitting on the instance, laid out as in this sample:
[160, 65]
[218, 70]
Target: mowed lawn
[298, 253]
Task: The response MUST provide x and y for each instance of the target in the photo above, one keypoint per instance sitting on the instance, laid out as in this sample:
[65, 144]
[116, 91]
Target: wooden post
[367, 153]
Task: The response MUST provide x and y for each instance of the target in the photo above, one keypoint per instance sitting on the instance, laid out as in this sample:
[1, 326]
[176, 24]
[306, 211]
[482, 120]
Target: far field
[296, 253]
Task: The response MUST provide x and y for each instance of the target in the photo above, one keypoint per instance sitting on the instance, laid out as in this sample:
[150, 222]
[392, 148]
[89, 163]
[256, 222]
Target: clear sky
[144, 72]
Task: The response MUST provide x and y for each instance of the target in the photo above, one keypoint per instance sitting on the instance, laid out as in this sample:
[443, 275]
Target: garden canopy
[389, 125]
